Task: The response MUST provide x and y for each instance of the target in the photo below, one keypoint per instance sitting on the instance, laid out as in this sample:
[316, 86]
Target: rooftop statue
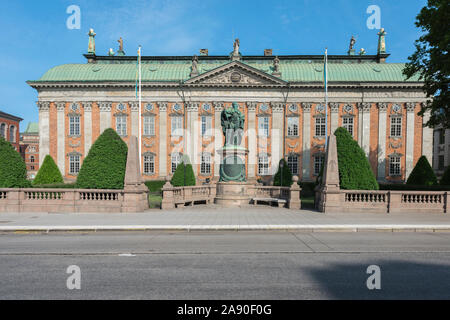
[276, 65]
[352, 43]
[120, 41]
[91, 46]
[381, 41]
[194, 68]
[232, 120]
[236, 47]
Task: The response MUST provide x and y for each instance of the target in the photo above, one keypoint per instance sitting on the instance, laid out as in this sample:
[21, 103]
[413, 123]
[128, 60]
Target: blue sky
[35, 37]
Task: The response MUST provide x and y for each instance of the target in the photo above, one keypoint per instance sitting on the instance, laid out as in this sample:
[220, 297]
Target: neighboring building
[29, 148]
[441, 150]
[9, 128]
[281, 97]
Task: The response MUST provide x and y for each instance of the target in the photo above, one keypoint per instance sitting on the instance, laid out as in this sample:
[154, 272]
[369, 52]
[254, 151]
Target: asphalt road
[225, 265]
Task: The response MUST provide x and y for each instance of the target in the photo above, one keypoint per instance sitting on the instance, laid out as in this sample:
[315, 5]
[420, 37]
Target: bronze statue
[352, 43]
[232, 120]
[120, 41]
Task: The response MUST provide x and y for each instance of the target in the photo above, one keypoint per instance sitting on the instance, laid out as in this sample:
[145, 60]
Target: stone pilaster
[134, 106]
[252, 140]
[44, 130]
[276, 144]
[381, 154]
[334, 106]
[87, 130]
[306, 147]
[192, 133]
[364, 125]
[162, 139]
[218, 108]
[105, 115]
[427, 139]
[409, 138]
[61, 136]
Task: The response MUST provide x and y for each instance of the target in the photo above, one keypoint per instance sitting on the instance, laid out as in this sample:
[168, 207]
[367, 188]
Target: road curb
[297, 228]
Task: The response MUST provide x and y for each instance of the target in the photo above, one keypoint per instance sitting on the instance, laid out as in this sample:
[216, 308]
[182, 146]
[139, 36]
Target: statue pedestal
[232, 188]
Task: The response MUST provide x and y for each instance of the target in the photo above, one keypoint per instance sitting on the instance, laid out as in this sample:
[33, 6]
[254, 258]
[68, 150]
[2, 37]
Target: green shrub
[422, 173]
[104, 167]
[178, 176]
[355, 172]
[445, 180]
[13, 171]
[287, 175]
[48, 173]
[155, 185]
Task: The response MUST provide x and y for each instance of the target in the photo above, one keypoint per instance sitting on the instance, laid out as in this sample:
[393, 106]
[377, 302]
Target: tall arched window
[12, 134]
[3, 130]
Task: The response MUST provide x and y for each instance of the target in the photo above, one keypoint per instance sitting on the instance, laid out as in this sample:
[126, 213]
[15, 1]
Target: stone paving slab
[216, 218]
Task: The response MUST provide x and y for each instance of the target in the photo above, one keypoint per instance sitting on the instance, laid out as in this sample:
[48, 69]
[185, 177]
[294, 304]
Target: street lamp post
[281, 172]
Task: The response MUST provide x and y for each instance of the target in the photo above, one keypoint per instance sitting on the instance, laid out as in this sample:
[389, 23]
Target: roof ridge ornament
[91, 45]
[236, 55]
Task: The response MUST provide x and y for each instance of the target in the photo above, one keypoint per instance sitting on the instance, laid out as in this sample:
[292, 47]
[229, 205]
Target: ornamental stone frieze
[382, 106]
[192, 106]
[162, 106]
[87, 106]
[60, 106]
[277, 107]
[134, 105]
[218, 106]
[105, 106]
[364, 106]
[410, 106]
[306, 106]
[334, 107]
[43, 105]
[251, 106]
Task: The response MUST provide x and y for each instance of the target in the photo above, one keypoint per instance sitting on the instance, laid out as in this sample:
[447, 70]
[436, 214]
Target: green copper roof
[33, 127]
[291, 71]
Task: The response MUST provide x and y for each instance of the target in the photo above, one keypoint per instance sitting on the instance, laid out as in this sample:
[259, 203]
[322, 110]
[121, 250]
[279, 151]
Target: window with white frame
[205, 165]
[320, 127]
[318, 163]
[74, 163]
[292, 162]
[176, 127]
[292, 126]
[149, 125]
[263, 165]
[121, 125]
[176, 160]
[394, 166]
[347, 123]
[263, 126]
[149, 164]
[396, 126]
[74, 125]
[206, 125]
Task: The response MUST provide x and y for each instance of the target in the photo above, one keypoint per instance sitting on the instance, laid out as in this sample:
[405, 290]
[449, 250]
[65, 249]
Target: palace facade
[281, 97]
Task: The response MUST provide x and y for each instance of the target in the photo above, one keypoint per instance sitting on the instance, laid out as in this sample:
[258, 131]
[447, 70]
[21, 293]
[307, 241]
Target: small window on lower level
[318, 163]
[394, 166]
[149, 164]
[74, 164]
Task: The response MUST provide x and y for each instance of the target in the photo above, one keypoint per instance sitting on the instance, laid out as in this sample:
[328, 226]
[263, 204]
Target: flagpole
[326, 96]
[139, 112]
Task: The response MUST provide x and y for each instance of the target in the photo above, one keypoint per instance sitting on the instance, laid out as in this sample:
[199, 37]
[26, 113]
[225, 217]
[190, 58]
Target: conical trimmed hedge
[422, 174]
[287, 175]
[355, 172]
[48, 172]
[445, 180]
[13, 171]
[104, 167]
[178, 176]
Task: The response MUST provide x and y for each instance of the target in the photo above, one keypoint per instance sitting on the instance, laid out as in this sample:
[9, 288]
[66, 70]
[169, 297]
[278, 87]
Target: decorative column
[334, 116]
[218, 108]
[427, 139]
[135, 118]
[162, 139]
[364, 125]
[252, 140]
[410, 106]
[192, 134]
[276, 143]
[381, 154]
[44, 130]
[105, 116]
[306, 147]
[87, 130]
[61, 135]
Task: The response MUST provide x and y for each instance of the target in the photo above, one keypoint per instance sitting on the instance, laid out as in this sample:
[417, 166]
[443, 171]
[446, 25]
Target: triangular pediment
[235, 73]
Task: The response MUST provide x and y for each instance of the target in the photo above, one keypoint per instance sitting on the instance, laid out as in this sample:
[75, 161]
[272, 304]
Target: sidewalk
[214, 218]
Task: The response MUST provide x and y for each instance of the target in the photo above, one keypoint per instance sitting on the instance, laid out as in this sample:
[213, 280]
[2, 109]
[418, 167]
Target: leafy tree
[104, 167]
[287, 175]
[48, 172]
[178, 176]
[422, 173]
[431, 60]
[445, 180]
[13, 171]
[355, 172]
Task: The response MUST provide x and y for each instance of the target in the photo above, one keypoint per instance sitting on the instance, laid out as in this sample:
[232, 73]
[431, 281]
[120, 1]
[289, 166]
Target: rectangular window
[263, 126]
[121, 125]
[396, 126]
[263, 165]
[347, 123]
[441, 161]
[149, 126]
[176, 160]
[206, 125]
[74, 164]
[441, 136]
[320, 127]
[318, 163]
[176, 126]
[149, 164]
[205, 166]
[394, 166]
[292, 126]
[292, 162]
[74, 125]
